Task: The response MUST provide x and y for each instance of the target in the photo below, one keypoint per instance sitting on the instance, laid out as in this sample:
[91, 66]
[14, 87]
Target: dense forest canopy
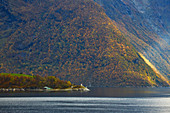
[27, 81]
[73, 40]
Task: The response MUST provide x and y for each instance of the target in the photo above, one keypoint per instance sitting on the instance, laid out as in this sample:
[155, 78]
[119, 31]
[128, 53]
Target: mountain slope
[73, 40]
[146, 25]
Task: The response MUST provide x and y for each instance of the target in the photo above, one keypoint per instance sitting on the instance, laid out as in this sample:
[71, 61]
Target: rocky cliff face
[146, 24]
[156, 13]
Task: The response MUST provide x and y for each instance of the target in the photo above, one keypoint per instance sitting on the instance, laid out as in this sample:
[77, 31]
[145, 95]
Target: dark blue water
[98, 100]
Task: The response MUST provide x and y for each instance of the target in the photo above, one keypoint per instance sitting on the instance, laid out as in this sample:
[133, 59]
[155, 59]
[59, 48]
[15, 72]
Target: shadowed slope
[146, 25]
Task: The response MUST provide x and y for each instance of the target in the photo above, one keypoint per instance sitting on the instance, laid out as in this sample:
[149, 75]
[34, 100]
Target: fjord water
[99, 100]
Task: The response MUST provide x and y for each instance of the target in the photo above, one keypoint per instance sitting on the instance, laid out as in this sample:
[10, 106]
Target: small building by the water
[47, 87]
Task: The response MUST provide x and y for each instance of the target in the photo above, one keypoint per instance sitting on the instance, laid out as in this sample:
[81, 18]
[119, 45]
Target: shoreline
[85, 89]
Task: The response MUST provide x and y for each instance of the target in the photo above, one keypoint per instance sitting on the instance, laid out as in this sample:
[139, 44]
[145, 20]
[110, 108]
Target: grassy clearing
[14, 74]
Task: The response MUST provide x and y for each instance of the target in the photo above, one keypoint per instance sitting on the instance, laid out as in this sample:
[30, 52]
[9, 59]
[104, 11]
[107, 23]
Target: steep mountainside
[145, 23]
[156, 13]
[71, 39]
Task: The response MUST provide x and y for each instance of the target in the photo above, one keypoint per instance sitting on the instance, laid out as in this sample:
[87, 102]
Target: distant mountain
[72, 39]
[146, 24]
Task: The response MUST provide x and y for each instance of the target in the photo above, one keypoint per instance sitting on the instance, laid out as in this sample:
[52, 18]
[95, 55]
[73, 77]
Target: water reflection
[128, 92]
[97, 92]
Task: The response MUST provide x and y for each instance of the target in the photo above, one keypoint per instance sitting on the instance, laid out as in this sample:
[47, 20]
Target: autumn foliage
[72, 40]
[36, 81]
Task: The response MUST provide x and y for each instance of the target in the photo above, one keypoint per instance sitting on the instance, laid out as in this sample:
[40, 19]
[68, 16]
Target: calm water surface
[98, 100]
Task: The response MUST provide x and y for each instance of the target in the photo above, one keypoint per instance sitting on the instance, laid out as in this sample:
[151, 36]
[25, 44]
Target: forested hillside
[146, 24]
[8, 80]
[71, 39]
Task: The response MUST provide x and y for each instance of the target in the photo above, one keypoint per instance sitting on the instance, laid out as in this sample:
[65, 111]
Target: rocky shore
[11, 89]
[42, 90]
